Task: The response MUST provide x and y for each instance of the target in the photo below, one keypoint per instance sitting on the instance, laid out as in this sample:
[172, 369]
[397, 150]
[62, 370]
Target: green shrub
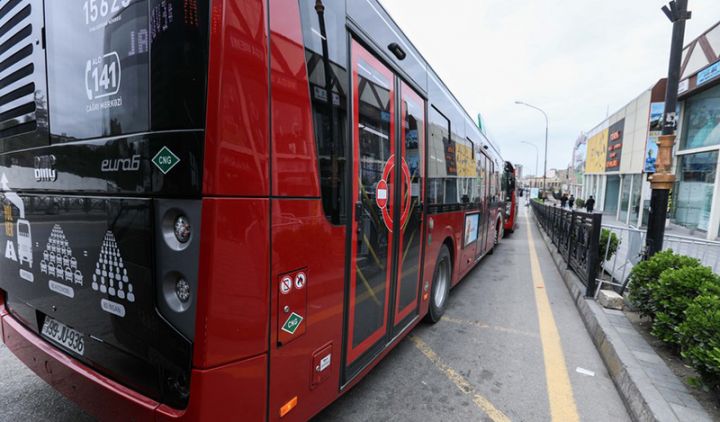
[579, 203]
[605, 236]
[700, 338]
[673, 293]
[649, 271]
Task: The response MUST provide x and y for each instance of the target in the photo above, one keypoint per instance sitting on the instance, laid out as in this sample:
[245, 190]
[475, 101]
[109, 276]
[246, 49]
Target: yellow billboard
[597, 153]
[465, 162]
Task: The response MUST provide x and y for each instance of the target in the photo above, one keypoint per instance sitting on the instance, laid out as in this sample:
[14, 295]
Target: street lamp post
[546, 139]
[537, 154]
[663, 179]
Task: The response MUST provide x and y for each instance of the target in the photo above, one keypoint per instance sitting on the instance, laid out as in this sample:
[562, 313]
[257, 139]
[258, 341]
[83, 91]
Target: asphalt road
[511, 346]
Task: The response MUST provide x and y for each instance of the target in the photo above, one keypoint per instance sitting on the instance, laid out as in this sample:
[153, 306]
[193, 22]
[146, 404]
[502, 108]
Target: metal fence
[617, 266]
[577, 237]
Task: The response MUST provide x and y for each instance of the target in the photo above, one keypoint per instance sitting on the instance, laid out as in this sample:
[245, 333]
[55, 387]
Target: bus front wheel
[440, 286]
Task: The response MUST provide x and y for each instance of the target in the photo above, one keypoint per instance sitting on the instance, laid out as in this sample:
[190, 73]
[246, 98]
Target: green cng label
[165, 160]
[292, 323]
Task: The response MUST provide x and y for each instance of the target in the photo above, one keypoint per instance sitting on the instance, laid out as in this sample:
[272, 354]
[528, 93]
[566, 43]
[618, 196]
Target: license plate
[63, 335]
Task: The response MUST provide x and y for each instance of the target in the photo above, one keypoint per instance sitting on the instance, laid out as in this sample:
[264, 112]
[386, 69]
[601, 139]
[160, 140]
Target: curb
[642, 399]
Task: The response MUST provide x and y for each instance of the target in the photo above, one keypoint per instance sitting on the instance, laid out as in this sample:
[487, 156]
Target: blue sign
[711, 72]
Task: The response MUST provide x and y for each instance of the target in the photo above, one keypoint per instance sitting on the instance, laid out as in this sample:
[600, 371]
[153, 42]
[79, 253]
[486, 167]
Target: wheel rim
[441, 283]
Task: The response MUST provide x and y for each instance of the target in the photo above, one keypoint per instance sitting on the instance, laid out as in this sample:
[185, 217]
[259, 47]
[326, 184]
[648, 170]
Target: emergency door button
[292, 305]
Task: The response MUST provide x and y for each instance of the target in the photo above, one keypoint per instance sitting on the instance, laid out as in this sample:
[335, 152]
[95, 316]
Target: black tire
[440, 289]
[498, 226]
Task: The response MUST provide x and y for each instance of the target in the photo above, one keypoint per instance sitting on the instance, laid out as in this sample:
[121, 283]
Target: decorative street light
[537, 154]
[546, 139]
[663, 179]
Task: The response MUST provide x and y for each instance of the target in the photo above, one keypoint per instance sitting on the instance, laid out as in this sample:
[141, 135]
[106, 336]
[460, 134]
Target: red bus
[509, 187]
[228, 209]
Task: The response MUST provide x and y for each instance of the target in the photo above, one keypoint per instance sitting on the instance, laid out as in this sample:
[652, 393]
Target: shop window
[692, 198]
[702, 120]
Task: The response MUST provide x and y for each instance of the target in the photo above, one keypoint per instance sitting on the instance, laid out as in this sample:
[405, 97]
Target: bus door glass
[482, 163]
[409, 225]
[374, 175]
[387, 220]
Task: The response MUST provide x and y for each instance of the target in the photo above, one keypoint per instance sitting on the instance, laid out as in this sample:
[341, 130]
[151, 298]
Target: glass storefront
[693, 193]
[702, 120]
[625, 197]
[635, 199]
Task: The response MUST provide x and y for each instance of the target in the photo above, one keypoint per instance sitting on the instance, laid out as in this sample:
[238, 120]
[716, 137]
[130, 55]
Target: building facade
[612, 161]
[615, 155]
[696, 196]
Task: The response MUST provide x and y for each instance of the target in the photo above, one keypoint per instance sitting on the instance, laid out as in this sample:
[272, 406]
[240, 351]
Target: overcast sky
[576, 59]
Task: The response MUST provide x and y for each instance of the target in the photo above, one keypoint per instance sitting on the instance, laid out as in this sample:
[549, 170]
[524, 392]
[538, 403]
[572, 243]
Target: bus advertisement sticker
[292, 323]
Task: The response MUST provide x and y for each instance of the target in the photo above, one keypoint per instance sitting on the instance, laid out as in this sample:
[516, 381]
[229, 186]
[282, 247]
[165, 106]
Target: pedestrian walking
[590, 204]
[571, 201]
[563, 200]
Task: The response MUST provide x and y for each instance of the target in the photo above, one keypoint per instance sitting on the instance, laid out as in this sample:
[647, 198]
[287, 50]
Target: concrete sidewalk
[650, 390]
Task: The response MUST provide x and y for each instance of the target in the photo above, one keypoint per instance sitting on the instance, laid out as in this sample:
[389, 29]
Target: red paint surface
[237, 134]
[511, 221]
[295, 167]
[232, 303]
[302, 237]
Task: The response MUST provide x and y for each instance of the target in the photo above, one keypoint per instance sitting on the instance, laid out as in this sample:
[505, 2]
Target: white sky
[576, 59]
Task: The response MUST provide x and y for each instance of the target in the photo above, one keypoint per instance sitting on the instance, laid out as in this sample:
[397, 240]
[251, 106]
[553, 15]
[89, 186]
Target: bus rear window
[98, 67]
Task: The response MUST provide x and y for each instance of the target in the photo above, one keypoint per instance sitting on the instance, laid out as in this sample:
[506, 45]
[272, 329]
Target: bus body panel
[294, 156]
[232, 302]
[303, 240]
[237, 137]
[95, 393]
[215, 391]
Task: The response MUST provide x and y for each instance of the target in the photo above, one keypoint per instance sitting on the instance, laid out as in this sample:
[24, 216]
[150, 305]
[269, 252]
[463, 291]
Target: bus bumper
[220, 393]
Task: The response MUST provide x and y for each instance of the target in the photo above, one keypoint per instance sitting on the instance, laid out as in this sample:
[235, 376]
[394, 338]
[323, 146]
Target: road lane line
[460, 382]
[479, 324]
[560, 393]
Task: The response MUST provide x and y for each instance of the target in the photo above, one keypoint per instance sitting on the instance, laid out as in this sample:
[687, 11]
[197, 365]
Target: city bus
[509, 187]
[227, 209]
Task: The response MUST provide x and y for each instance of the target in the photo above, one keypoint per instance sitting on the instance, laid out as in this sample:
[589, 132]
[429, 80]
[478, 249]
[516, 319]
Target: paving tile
[648, 357]
[687, 414]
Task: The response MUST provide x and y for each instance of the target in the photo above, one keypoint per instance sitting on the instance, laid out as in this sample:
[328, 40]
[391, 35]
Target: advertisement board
[471, 228]
[597, 152]
[615, 144]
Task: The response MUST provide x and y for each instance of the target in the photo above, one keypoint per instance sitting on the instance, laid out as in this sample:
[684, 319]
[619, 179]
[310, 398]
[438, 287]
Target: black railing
[577, 238]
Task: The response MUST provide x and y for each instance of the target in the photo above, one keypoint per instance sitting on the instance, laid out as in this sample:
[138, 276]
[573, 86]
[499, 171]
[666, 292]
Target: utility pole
[663, 179]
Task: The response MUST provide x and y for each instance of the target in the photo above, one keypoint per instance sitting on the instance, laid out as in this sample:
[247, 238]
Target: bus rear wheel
[440, 286]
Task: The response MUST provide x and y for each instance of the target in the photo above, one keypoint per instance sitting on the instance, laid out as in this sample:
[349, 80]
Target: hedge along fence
[683, 300]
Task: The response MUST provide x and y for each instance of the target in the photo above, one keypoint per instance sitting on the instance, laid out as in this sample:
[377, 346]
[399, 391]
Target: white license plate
[63, 335]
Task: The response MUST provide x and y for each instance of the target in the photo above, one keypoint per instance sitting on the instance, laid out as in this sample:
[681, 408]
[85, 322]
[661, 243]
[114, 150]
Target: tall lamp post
[537, 154]
[546, 139]
[663, 179]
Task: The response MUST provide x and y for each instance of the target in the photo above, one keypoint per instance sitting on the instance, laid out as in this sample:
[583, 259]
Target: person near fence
[571, 201]
[563, 200]
[590, 204]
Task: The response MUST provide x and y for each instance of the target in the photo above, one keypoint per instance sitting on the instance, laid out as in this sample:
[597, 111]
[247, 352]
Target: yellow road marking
[491, 327]
[460, 382]
[560, 393]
